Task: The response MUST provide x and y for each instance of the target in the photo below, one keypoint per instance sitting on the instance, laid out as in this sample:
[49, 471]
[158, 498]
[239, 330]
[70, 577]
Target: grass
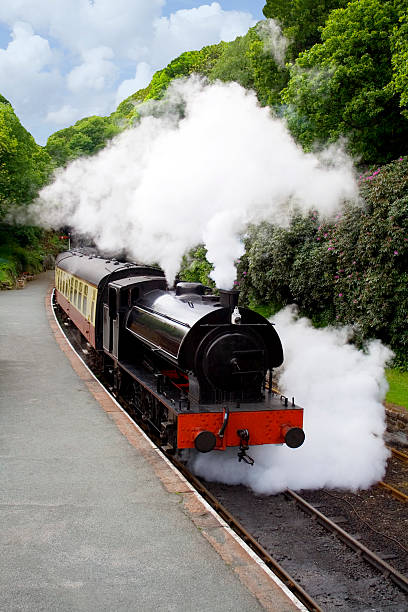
[398, 392]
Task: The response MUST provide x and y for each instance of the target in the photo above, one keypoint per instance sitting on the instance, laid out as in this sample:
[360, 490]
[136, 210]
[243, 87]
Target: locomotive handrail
[230, 324]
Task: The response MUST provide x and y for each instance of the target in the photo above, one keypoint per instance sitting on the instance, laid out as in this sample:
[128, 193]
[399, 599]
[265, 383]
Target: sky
[62, 61]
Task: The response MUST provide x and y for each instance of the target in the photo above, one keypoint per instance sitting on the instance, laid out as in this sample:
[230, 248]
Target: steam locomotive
[192, 366]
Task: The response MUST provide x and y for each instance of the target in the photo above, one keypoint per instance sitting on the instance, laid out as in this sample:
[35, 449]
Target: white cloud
[80, 24]
[26, 51]
[77, 58]
[193, 28]
[28, 75]
[97, 72]
[64, 115]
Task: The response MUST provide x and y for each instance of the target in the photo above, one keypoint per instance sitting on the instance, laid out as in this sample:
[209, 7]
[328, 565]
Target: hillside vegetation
[24, 168]
[343, 74]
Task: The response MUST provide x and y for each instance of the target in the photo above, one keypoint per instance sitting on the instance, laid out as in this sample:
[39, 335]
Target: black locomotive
[192, 365]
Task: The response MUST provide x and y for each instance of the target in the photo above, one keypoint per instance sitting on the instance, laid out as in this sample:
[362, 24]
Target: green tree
[86, 137]
[195, 267]
[399, 43]
[248, 61]
[234, 63]
[24, 165]
[342, 87]
[301, 20]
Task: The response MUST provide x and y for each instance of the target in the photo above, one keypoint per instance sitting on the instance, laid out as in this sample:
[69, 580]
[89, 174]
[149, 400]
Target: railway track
[246, 536]
[297, 586]
[373, 559]
[390, 488]
[334, 567]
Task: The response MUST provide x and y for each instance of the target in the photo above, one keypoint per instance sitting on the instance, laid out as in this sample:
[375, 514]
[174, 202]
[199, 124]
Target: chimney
[229, 298]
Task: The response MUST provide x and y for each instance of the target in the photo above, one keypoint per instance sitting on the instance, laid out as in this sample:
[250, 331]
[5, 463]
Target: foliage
[24, 166]
[86, 137]
[233, 63]
[301, 20]
[247, 61]
[268, 259]
[25, 250]
[273, 257]
[200, 62]
[343, 85]
[195, 268]
[351, 270]
[399, 42]
[371, 285]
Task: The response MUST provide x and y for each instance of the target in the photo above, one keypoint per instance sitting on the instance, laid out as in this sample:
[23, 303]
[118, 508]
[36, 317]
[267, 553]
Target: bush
[371, 288]
[350, 271]
[25, 249]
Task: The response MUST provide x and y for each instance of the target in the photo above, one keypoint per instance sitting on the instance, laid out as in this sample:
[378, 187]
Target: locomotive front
[223, 354]
[229, 352]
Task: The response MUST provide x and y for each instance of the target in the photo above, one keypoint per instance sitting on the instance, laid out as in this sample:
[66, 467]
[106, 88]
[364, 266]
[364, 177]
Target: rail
[373, 559]
[400, 495]
[232, 522]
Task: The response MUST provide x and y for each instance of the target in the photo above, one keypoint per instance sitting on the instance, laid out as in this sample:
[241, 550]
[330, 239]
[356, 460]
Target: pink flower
[395, 252]
[340, 295]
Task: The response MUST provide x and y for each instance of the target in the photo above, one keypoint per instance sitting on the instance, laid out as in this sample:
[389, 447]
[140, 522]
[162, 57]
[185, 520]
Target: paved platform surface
[85, 523]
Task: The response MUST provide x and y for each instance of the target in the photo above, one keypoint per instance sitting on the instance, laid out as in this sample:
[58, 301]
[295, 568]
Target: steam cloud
[274, 42]
[171, 183]
[201, 176]
[341, 390]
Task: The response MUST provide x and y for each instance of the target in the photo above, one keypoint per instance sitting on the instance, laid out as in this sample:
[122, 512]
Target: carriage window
[80, 296]
[85, 300]
[92, 315]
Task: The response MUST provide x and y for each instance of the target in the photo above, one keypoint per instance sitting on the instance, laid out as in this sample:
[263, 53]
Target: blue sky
[61, 61]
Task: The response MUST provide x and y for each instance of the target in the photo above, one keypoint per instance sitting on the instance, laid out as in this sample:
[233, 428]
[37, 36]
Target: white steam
[169, 183]
[341, 390]
[275, 43]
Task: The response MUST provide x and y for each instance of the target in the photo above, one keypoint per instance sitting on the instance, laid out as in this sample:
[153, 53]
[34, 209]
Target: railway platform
[92, 517]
